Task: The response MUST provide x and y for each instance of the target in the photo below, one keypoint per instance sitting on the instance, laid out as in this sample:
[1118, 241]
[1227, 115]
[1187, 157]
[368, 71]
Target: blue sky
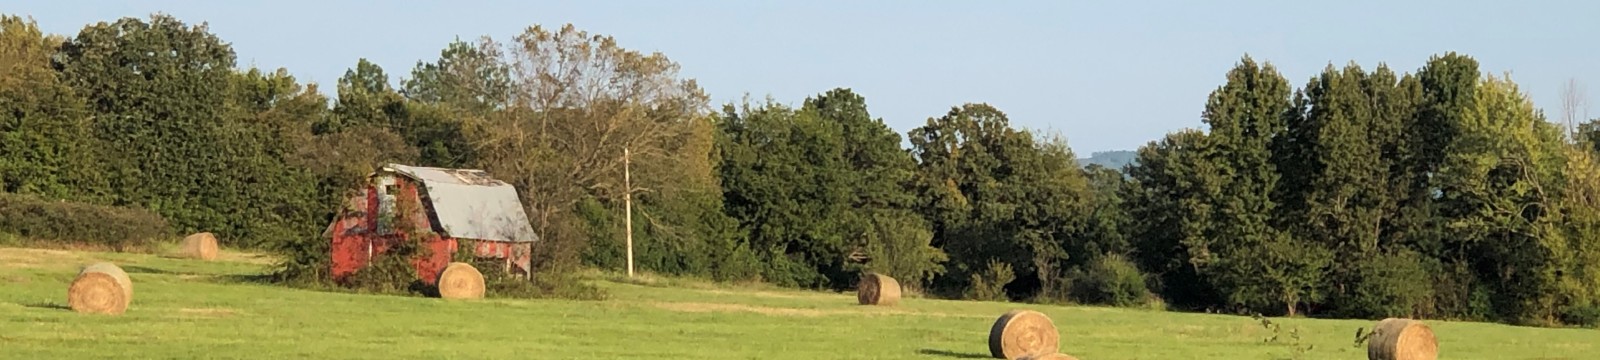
[1107, 75]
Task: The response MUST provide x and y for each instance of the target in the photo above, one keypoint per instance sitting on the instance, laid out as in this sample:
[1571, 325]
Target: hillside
[1111, 159]
[192, 309]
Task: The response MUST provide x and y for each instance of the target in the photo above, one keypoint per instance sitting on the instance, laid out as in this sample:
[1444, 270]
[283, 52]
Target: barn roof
[471, 205]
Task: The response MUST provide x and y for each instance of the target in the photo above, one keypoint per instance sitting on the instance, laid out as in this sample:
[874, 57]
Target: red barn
[453, 204]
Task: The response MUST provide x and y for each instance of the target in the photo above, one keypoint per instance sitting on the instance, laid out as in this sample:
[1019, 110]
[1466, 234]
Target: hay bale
[101, 288]
[1021, 333]
[460, 281]
[1049, 356]
[878, 289]
[1402, 339]
[201, 246]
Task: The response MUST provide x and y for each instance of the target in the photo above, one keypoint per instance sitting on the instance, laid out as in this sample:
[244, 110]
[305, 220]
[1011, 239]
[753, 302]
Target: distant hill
[1110, 159]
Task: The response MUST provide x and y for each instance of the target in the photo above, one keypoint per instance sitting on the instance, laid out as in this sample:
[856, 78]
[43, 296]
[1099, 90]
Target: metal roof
[471, 205]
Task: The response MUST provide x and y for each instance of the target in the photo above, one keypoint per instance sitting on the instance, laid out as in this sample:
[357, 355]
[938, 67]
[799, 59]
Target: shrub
[789, 270]
[990, 284]
[73, 223]
[1110, 280]
[1387, 286]
[1458, 295]
[392, 272]
[1587, 315]
[898, 244]
[546, 285]
[735, 263]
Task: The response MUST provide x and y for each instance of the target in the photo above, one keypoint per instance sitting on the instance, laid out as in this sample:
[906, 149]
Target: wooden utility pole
[627, 201]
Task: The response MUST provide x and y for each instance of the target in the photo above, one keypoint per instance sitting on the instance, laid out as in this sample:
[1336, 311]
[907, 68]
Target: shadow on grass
[252, 279]
[131, 269]
[47, 305]
[946, 353]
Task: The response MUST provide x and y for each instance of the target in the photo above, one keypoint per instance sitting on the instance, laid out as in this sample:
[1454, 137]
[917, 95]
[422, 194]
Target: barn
[446, 207]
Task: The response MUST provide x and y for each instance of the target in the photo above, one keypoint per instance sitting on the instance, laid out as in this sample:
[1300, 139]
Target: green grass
[191, 309]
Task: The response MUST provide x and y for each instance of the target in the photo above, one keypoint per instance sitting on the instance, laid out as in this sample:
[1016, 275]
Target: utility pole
[627, 201]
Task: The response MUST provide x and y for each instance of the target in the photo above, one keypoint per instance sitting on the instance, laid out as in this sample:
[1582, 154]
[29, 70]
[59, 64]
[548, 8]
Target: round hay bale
[201, 246]
[878, 289]
[1402, 339]
[460, 281]
[1021, 333]
[1049, 356]
[101, 288]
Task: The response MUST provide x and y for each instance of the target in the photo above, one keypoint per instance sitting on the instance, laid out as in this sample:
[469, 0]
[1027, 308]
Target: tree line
[1442, 193]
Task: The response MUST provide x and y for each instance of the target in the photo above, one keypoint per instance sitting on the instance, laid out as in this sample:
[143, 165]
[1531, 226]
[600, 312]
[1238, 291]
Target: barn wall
[520, 254]
[357, 237]
[352, 235]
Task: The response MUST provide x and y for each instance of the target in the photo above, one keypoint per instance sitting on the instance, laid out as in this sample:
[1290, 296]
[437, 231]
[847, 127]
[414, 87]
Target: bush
[1587, 315]
[1110, 280]
[736, 263]
[392, 272]
[72, 223]
[1458, 295]
[789, 270]
[1388, 285]
[547, 285]
[990, 285]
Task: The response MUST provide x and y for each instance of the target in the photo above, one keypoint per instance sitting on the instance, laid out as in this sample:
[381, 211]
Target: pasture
[193, 309]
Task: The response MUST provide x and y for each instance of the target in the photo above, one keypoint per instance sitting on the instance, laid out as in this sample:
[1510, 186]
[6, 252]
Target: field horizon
[196, 309]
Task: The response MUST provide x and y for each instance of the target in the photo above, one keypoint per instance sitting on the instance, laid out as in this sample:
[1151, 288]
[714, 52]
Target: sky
[1107, 75]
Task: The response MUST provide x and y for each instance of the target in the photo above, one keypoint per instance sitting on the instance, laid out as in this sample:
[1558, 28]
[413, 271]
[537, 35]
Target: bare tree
[1574, 107]
[576, 102]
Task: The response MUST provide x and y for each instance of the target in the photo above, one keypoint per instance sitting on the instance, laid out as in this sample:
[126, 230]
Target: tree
[45, 147]
[1253, 263]
[469, 82]
[1168, 195]
[684, 228]
[473, 78]
[898, 245]
[877, 174]
[366, 99]
[575, 103]
[157, 91]
[1577, 273]
[1445, 90]
[993, 192]
[1574, 106]
[782, 181]
[283, 197]
[1336, 161]
[822, 189]
[1109, 223]
[1503, 174]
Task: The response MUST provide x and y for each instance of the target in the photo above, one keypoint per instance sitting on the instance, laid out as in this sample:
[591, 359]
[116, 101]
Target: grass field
[189, 309]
